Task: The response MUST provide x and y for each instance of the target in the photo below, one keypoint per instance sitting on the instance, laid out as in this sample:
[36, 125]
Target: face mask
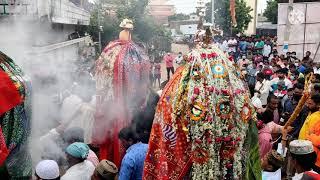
[292, 78]
[296, 64]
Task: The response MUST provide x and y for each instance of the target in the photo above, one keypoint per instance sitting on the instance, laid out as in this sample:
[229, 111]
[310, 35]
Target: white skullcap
[47, 169]
[301, 147]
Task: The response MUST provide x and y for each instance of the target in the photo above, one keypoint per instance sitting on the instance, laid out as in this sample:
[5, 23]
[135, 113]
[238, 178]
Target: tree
[179, 17]
[145, 27]
[271, 12]
[223, 18]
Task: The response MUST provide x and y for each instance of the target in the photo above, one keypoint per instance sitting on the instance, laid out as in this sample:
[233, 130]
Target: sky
[188, 6]
[184, 6]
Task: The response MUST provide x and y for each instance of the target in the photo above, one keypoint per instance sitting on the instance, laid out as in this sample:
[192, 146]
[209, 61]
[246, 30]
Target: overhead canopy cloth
[203, 126]
[14, 119]
[122, 73]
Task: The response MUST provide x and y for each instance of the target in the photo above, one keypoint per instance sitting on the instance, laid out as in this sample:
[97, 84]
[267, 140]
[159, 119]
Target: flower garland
[212, 105]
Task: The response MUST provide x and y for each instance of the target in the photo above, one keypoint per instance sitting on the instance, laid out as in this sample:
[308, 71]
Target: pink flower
[238, 91]
[227, 139]
[230, 126]
[218, 139]
[214, 55]
[203, 56]
[229, 166]
[198, 141]
[211, 89]
[196, 91]
[225, 91]
[210, 119]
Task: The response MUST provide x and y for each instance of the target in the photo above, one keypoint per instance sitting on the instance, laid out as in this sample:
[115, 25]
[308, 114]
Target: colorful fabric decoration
[15, 121]
[218, 70]
[4, 152]
[212, 122]
[122, 73]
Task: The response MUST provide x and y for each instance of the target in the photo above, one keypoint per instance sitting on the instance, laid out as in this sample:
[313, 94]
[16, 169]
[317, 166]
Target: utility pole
[288, 27]
[213, 11]
[99, 26]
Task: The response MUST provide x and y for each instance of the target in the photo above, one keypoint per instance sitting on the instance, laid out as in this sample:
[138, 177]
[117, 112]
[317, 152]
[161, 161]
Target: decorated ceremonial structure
[14, 120]
[122, 79]
[204, 126]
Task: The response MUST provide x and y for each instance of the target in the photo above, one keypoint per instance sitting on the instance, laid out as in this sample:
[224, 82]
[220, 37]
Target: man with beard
[291, 100]
[311, 107]
[272, 106]
[311, 127]
[307, 60]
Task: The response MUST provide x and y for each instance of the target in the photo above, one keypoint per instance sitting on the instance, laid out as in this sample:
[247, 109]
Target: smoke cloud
[54, 74]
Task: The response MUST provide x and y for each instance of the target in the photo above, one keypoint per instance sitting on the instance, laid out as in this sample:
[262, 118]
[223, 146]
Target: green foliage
[223, 17]
[145, 27]
[271, 12]
[179, 17]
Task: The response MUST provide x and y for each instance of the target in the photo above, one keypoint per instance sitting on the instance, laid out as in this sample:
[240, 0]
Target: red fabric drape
[9, 94]
[111, 148]
[122, 62]
[167, 159]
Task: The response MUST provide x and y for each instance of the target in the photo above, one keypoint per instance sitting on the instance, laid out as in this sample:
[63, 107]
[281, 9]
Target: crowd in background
[277, 83]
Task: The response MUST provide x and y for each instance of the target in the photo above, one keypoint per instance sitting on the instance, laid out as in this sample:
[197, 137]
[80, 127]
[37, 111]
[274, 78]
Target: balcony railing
[65, 12]
[59, 11]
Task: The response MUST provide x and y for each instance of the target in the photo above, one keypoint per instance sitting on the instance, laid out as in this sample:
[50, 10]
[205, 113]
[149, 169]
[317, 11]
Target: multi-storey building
[161, 10]
[43, 30]
[43, 26]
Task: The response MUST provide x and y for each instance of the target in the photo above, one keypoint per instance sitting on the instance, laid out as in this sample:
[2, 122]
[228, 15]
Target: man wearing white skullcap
[47, 170]
[304, 158]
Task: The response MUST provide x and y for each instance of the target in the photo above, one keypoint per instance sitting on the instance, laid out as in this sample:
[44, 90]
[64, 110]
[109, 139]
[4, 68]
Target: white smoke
[52, 73]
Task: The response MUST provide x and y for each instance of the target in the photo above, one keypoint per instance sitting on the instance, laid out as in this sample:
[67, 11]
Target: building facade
[47, 26]
[253, 24]
[161, 10]
[304, 33]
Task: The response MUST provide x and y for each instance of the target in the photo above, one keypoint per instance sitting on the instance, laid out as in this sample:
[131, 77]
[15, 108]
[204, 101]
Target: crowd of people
[81, 160]
[170, 60]
[277, 83]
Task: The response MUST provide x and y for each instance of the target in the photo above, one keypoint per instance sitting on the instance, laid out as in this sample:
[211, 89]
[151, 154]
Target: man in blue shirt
[243, 46]
[133, 161]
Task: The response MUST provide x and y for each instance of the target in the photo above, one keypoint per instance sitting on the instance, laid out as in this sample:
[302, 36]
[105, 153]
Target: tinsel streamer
[303, 100]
